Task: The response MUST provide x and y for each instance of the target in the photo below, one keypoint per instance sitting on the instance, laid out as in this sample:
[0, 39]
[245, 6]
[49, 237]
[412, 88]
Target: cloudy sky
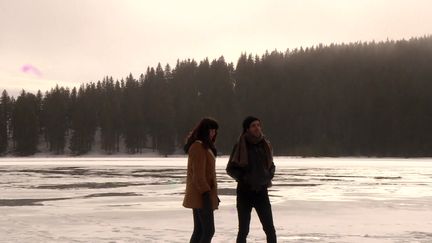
[69, 42]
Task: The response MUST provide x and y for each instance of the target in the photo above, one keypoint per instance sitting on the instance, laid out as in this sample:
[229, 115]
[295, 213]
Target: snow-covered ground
[139, 200]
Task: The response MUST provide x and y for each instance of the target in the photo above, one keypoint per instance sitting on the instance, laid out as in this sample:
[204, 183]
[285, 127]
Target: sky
[71, 42]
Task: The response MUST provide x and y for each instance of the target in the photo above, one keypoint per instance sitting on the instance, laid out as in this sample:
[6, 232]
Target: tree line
[356, 99]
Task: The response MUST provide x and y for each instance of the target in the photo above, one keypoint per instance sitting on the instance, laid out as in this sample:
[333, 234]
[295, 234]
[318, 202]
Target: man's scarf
[240, 156]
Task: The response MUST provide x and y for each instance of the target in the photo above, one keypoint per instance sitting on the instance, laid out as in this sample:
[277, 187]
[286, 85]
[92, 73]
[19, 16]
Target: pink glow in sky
[27, 68]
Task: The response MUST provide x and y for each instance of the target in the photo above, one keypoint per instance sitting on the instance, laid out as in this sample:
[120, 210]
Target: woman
[201, 186]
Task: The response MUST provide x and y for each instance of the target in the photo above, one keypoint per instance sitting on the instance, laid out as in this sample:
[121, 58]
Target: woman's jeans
[203, 225]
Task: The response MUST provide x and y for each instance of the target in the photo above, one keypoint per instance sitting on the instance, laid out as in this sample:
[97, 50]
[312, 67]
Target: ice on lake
[139, 200]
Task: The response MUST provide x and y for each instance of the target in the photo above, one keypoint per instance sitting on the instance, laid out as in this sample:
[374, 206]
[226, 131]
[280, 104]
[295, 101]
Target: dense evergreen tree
[110, 115]
[55, 109]
[5, 115]
[185, 95]
[357, 99]
[166, 131]
[25, 124]
[134, 123]
[83, 119]
[218, 100]
[158, 108]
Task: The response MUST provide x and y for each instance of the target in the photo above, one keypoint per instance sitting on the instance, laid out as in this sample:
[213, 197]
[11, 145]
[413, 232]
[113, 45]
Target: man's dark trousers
[248, 199]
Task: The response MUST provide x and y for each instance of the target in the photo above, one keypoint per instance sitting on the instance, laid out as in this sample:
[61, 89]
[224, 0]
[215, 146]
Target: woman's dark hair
[202, 132]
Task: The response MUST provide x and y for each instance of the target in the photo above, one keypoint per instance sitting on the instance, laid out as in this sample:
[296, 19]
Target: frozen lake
[139, 200]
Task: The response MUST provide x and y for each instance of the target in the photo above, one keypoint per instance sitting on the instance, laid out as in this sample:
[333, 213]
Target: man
[251, 165]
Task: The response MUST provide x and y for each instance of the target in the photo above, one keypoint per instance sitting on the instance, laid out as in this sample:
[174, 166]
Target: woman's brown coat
[201, 177]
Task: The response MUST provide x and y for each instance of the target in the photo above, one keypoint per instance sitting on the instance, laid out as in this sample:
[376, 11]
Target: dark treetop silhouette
[358, 99]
